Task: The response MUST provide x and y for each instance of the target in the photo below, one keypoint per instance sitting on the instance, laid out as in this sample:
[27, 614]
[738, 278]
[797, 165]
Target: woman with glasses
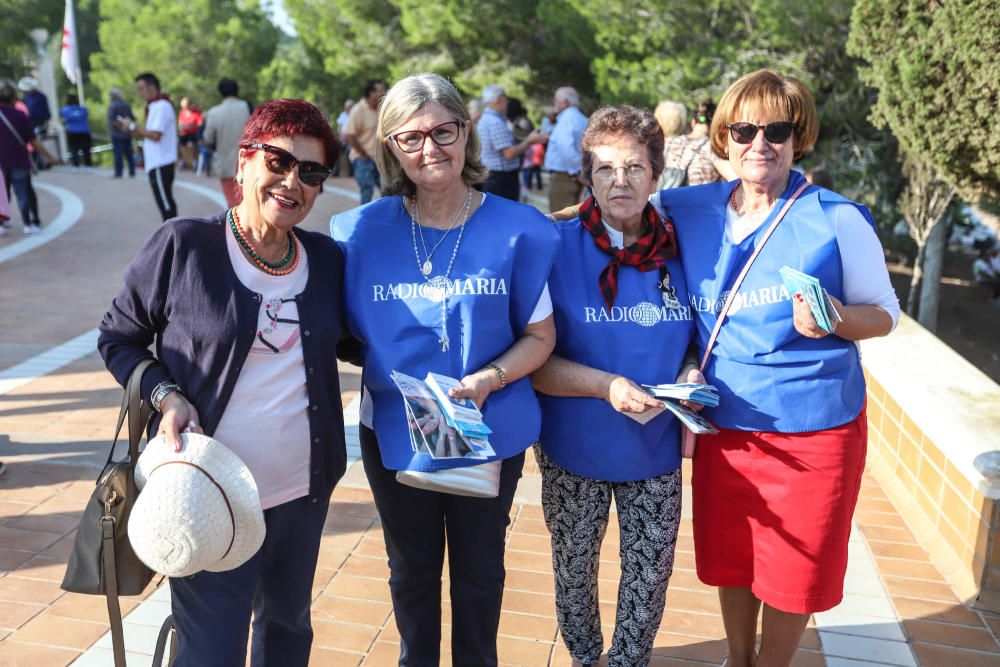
[775, 489]
[242, 308]
[441, 278]
[623, 319]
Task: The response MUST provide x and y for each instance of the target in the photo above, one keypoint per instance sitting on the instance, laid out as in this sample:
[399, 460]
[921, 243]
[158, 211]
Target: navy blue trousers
[212, 609]
[122, 149]
[416, 524]
[503, 184]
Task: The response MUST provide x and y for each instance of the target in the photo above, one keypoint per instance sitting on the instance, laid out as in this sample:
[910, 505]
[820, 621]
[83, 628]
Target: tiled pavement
[54, 428]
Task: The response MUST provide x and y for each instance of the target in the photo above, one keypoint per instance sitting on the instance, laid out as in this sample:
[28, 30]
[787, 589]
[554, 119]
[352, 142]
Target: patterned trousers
[576, 512]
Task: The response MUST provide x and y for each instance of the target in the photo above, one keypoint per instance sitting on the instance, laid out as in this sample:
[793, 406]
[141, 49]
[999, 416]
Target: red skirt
[772, 512]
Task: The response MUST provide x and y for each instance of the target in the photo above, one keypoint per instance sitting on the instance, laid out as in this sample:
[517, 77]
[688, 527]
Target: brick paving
[54, 432]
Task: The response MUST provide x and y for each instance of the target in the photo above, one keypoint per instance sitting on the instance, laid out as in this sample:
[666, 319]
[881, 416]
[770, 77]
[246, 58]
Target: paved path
[57, 404]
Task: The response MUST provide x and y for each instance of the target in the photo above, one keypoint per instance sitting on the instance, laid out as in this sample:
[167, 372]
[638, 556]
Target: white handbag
[479, 481]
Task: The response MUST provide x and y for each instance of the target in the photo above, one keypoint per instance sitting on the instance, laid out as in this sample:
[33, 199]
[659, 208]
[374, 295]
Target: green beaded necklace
[245, 244]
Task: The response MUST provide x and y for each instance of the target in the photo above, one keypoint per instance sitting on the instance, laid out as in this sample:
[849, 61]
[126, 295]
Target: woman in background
[75, 117]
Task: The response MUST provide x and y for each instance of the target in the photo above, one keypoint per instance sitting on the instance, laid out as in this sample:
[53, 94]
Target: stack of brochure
[670, 396]
[461, 413]
[442, 427]
[693, 392]
[824, 313]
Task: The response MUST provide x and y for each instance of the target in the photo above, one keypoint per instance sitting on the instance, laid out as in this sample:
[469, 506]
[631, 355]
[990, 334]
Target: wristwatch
[160, 392]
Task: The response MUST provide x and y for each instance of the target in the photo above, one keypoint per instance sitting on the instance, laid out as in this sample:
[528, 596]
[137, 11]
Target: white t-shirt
[160, 119]
[266, 421]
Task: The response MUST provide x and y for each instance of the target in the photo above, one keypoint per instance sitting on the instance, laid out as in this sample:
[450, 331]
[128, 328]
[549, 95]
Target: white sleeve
[866, 278]
[158, 119]
[543, 308]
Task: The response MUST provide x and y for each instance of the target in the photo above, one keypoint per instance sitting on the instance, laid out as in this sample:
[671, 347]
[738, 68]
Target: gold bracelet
[500, 373]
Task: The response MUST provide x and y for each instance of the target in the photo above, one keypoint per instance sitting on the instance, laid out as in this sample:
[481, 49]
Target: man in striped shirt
[500, 154]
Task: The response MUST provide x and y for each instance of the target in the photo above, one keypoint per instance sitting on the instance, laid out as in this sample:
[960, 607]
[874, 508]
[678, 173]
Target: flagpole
[79, 85]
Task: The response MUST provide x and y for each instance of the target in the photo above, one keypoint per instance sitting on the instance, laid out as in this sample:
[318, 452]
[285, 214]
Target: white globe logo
[435, 289]
[645, 313]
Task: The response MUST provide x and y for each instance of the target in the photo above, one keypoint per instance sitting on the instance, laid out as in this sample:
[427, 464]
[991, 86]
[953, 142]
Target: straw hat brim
[229, 471]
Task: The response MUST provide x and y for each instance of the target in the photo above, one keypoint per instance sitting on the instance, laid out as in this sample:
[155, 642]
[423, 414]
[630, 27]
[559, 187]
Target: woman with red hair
[242, 307]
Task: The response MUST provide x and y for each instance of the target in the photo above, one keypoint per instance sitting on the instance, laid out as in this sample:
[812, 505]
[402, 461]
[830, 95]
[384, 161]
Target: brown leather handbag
[102, 561]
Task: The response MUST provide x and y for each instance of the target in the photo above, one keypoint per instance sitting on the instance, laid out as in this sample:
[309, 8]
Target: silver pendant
[435, 289]
[426, 267]
[444, 343]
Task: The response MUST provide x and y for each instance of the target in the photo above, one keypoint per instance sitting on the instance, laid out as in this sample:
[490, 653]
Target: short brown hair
[770, 93]
[623, 121]
[406, 98]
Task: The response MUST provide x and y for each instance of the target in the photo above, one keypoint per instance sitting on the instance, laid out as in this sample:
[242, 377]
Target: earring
[240, 180]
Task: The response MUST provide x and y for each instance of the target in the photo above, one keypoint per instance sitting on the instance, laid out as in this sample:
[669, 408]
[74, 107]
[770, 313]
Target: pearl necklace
[427, 266]
[437, 288]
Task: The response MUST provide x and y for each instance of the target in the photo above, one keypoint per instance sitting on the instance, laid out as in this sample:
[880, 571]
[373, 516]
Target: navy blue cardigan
[181, 291]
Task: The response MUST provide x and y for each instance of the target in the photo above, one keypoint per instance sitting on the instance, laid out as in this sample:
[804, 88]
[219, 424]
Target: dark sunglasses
[444, 134]
[279, 161]
[775, 133]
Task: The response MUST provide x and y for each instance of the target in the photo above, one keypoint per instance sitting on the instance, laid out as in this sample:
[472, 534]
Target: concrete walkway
[57, 405]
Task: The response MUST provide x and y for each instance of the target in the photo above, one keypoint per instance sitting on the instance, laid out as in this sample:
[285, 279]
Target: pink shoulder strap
[744, 271]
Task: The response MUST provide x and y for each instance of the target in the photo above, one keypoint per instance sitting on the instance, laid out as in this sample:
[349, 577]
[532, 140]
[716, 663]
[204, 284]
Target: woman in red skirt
[775, 490]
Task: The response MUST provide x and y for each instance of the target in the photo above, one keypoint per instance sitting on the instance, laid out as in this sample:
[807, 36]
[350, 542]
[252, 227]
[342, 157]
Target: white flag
[70, 59]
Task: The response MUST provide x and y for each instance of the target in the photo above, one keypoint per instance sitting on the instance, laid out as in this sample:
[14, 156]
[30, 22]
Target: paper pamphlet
[822, 308]
[430, 431]
[669, 396]
[461, 413]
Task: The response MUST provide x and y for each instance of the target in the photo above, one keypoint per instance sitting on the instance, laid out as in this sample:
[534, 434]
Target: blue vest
[640, 338]
[499, 273]
[770, 377]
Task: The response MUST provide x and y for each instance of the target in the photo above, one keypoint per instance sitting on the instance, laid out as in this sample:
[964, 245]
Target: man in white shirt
[562, 154]
[159, 142]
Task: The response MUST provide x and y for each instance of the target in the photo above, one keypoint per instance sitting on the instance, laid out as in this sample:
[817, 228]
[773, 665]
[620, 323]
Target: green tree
[19, 18]
[348, 41]
[935, 68]
[675, 49]
[529, 47]
[189, 45]
[17, 56]
[296, 71]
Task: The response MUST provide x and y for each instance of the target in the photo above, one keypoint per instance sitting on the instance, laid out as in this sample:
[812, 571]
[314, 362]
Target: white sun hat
[199, 508]
[27, 84]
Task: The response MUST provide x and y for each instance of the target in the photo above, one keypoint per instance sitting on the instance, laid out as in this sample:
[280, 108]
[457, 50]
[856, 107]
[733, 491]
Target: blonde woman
[442, 278]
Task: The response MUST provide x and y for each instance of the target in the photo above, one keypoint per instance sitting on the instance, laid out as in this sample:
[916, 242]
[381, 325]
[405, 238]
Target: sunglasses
[279, 161]
[775, 133]
[444, 134]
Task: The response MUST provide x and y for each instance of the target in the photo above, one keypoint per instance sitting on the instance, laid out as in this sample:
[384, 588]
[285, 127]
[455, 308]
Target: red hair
[288, 118]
